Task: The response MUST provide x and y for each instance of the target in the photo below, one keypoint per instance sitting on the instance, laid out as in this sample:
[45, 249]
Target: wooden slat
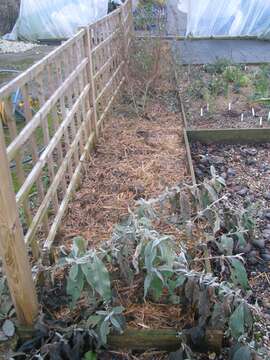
[104, 42]
[92, 97]
[60, 173]
[29, 129]
[105, 112]
[35, 157]
[46, 136]
[68, 194]
[12, 248]
[35, 69]
[34, 174]
[109, 82]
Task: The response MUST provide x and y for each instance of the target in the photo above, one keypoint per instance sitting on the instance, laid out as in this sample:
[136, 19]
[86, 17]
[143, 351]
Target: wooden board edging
[229, 136]
[164, 340]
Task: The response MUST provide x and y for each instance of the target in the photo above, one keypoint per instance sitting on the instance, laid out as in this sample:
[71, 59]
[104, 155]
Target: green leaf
[104, 331]
[225, 245]
[97, 277]
[241, 241]
[118, 310]
[213, 171]
[217, 224]
[75, 287]
[157, 288]
[149, 256]
[211, 191]
[116, 324]
[147, 283]
[237, 322]
[238, 273]
[243, 353]
[90, 355]
[73, 272]
[79, 246]
[8, 328]
[93, 321]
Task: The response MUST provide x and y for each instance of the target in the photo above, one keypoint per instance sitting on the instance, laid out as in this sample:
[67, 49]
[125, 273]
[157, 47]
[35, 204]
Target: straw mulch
[135, 158]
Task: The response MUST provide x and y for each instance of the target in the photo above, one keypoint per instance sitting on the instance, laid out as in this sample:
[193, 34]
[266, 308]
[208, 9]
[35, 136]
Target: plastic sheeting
[227, 17]
[54, 19]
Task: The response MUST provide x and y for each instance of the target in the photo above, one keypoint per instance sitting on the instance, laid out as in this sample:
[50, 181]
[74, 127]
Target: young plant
[106, 320]
[87, 273]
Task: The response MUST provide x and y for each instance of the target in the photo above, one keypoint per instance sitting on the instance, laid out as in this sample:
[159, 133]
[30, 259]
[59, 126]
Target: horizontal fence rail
[54, 113]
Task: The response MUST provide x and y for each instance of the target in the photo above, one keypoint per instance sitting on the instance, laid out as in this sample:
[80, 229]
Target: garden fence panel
[54, 113]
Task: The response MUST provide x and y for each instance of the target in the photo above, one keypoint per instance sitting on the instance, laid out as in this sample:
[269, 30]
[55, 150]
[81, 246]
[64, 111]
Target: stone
[265, 256]
[252, 257]
[243, 192]
[251, 151]
[250, 162]
[259, 243]
[267, 215]
[231, 172]
[216, 160]
[199, 173]
[266, 233]
[267, 195]
[223, 175]
[264, 168]
[246, 249]
[204, 160]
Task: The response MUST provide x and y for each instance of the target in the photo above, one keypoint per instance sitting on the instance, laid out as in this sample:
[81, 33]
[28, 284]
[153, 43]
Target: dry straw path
[137, 157]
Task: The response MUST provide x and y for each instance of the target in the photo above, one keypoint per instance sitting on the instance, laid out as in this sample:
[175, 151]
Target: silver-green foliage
[87, 272]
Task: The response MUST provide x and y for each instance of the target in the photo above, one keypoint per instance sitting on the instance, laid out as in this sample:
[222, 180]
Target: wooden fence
[62, 102]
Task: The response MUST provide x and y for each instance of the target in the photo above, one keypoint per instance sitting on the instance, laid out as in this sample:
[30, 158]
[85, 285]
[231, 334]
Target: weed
[197, 89]
[261, 82]
[234, 74]
[218, 86]
[218, 67]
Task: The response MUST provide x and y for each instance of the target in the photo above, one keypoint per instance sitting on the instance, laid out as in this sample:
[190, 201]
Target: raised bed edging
[230, 136]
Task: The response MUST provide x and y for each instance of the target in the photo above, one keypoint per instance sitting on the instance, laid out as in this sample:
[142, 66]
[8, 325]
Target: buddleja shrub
[87, 273]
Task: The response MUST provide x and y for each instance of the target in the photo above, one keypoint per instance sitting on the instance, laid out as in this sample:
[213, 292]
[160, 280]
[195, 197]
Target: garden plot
[246, 170]
[224, 95]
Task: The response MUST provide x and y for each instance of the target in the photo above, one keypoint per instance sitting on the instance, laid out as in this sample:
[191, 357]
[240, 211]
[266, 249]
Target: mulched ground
[216, 113]
[135, 158]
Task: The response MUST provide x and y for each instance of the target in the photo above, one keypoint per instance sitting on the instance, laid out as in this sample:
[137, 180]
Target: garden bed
[246, 170]
[225, 95]
[138, 156]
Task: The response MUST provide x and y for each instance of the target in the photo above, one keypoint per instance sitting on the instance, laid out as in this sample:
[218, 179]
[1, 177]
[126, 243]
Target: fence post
[12, 247]
[91, 78]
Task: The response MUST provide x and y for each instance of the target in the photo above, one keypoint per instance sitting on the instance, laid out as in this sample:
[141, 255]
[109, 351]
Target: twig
[221, 257]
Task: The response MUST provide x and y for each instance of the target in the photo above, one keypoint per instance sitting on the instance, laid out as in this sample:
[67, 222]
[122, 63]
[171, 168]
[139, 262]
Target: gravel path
[15, 46]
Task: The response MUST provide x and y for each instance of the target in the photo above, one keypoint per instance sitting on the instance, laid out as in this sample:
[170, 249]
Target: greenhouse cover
[227, 17]
[43, 19]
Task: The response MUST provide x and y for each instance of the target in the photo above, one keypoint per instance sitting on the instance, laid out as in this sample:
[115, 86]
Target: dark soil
[246, 170]
[208, 107]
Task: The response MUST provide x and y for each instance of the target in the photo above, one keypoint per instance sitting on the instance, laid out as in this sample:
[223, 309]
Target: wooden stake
[12, 247]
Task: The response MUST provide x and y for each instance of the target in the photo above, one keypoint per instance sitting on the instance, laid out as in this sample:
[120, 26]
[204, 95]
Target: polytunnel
[45, 20]
[243, 18]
